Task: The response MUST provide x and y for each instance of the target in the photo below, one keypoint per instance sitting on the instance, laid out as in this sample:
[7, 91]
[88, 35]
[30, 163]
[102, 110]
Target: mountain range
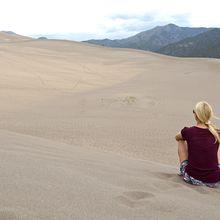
[169, 40]
[206, 44]
[172, 40]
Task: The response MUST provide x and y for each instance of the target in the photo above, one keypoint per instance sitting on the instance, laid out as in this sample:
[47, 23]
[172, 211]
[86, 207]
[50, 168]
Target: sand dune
[11, 37]
[87, 132]
[120, 100]
[41, 179]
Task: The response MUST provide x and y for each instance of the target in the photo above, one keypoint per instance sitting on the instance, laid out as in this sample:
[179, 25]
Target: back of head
[204, 113]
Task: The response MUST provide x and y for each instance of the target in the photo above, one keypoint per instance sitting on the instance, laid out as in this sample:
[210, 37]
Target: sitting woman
[198, 149]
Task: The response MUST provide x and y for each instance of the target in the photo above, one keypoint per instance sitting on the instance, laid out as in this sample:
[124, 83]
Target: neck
[199, 124]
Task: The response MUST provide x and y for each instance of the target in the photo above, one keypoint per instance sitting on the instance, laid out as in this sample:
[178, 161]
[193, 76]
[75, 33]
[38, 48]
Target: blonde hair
[204, 113]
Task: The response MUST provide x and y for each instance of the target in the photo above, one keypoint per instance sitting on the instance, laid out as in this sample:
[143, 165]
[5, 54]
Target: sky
[96, 19]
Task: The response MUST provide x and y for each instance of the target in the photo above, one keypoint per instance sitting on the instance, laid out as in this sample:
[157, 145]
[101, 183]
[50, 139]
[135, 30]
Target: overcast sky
[86, 19]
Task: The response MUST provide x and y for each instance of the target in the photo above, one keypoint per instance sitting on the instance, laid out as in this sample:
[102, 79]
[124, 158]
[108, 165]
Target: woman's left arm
[179, 137]
[218, 149]
[218, 155]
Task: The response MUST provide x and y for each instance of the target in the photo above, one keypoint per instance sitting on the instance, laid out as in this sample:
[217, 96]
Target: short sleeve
[184, 133]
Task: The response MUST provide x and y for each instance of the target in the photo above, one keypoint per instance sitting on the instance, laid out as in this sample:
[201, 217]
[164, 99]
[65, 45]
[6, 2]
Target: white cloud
[103, 18]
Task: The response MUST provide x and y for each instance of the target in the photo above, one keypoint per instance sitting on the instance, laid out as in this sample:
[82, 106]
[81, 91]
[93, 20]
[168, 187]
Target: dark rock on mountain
[203, 45]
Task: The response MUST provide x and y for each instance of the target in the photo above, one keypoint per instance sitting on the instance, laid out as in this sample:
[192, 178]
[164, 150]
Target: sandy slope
[10, 37]
[104, 109]
[41, 179]
[120, 100]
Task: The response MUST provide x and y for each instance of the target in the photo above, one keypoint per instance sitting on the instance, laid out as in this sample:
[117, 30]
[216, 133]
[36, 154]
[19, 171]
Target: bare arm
[179, 137]
[218, 148]
[219, 155]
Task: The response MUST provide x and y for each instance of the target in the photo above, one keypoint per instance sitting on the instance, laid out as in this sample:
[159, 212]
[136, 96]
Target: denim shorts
[189, 179]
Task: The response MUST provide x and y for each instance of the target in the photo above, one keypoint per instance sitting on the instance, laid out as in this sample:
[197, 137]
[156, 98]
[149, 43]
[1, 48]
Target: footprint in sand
[134, 199]
[137, 195]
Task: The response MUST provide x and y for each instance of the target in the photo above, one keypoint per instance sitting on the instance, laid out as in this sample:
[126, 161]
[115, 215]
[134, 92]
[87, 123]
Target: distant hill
[9, 32]
[42, 38]
[9, 36]
[153, 39]
[203, 45]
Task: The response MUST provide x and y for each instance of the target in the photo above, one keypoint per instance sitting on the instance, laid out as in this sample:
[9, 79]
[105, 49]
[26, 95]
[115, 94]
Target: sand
[87, 132]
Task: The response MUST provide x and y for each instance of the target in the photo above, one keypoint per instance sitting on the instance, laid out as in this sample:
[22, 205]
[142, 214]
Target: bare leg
[182, 151]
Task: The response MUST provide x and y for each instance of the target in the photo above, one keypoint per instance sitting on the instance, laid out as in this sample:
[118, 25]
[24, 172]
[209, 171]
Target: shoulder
[188, 129]
[186, 132]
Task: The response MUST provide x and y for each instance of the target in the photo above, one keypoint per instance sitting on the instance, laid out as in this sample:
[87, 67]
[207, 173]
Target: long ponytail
[214, 132]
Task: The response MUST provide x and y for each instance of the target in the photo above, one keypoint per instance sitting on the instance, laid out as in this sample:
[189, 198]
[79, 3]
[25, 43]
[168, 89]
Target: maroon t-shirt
[202, 154]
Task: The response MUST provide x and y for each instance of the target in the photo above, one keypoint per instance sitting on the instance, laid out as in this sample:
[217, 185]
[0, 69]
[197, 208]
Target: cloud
[181, 20]
[102, 18]
[125, 25]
